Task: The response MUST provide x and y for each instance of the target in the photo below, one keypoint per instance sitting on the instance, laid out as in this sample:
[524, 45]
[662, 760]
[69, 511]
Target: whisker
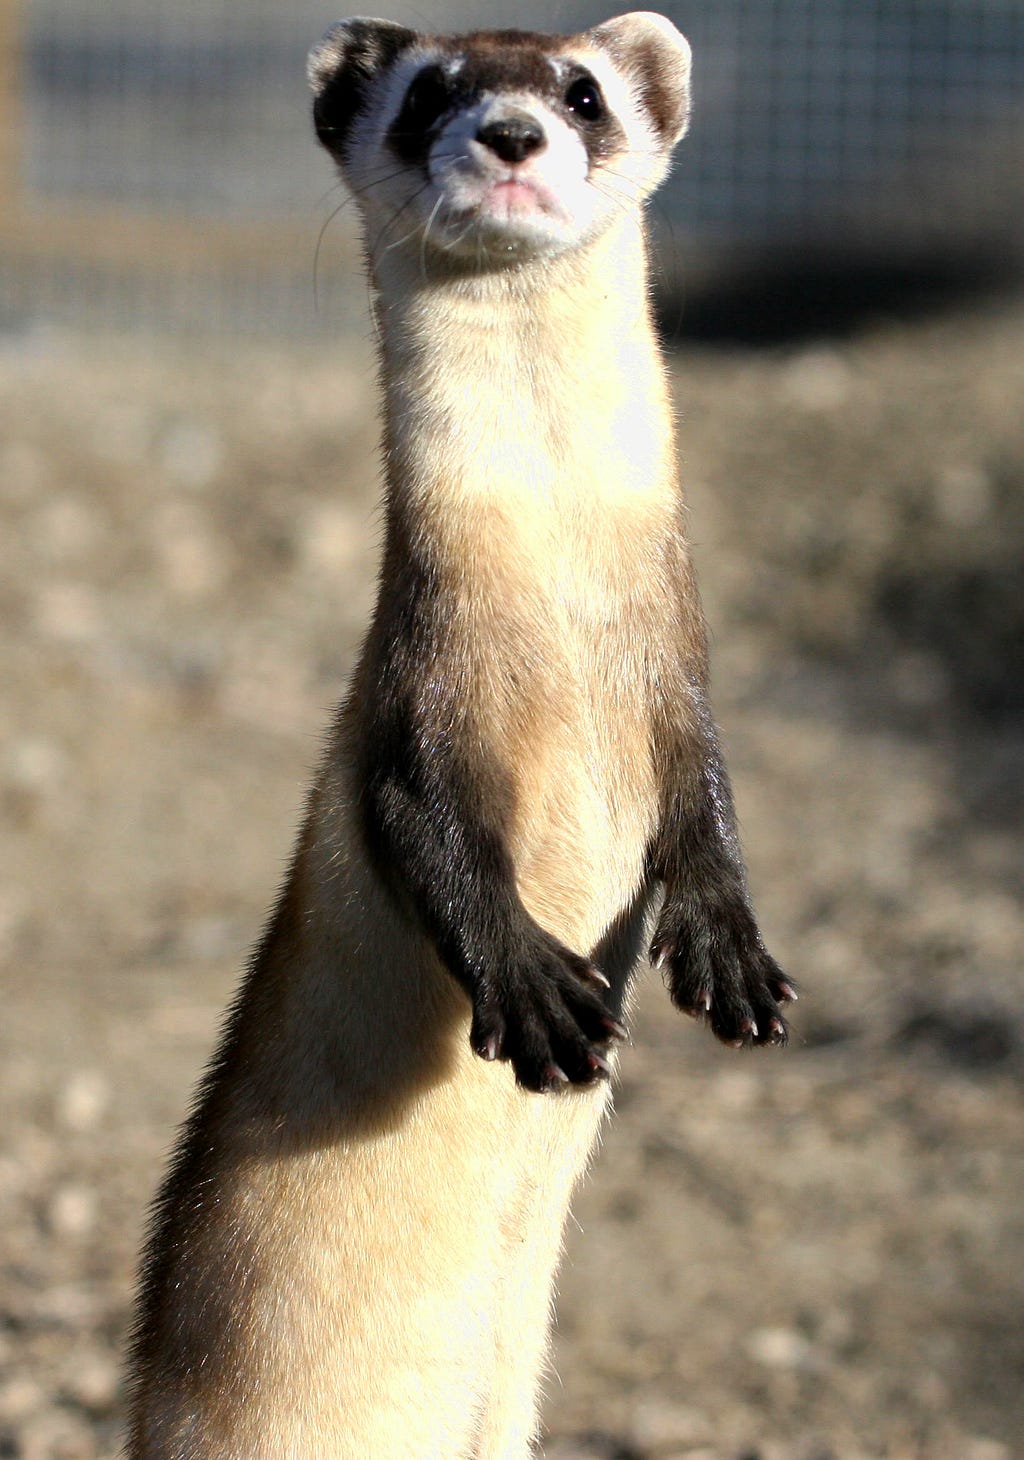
[319, 244]
[394, 219]
[627, 192]
[450, 157]
[378, 181]
[404, 238]
[666, 263]
[621, 202]
[623, 197]
[467, 228]
[354, 195]
[339, 182]
[426, 235]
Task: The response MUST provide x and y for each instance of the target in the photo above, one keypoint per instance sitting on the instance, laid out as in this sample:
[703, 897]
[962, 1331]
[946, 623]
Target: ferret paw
[545, 1014]
[717, 968]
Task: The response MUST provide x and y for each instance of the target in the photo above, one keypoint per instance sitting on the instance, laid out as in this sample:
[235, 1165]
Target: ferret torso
[529, 439]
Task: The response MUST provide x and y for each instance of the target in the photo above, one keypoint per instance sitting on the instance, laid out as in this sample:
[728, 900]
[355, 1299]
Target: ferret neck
[539, 386]
[597, 291]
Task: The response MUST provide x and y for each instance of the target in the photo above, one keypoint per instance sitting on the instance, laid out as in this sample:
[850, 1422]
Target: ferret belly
[572, 741]
[376, 1217]
[408, 1179]
[581, 832]
[550, 629]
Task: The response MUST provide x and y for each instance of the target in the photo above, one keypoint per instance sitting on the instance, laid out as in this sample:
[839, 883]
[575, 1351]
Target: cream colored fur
[552, 528]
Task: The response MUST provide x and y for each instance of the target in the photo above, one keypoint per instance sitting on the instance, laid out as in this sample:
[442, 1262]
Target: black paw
[544, 1012]
[717, 968]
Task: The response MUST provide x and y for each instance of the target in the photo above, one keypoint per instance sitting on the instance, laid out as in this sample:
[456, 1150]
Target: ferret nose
[512, 138]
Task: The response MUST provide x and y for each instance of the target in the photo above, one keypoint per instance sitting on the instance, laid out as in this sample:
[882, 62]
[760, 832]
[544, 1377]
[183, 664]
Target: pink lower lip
[516, 197]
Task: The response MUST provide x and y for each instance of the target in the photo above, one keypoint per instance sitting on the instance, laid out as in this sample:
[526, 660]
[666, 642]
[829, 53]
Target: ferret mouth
[515, 197]
[481, 207]
[510, 203]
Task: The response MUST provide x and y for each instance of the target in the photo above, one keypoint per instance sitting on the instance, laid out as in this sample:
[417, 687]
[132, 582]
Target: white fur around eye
[644, 161]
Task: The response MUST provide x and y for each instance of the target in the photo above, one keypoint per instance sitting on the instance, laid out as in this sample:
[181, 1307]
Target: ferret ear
[655, 58]
[343, 66]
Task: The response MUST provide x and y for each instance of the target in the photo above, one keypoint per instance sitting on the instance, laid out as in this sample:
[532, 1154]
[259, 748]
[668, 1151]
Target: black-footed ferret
[352, 1255]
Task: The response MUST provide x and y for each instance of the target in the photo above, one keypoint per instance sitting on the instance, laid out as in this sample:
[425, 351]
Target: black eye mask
[509, 62]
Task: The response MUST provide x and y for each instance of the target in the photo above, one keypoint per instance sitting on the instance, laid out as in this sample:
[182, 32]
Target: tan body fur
[335, 1270]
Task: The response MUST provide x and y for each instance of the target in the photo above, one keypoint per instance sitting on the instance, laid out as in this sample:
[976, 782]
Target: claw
[597, 976]
[490, 1048]
[787, 993]
[702, 1006]
[660, 956]
[554, 1076]
[598, 1062]
[614, 1028]
[749, 1027]
[777, 1029]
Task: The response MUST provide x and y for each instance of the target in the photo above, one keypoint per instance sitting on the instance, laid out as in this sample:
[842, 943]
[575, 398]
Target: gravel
[809, 1254]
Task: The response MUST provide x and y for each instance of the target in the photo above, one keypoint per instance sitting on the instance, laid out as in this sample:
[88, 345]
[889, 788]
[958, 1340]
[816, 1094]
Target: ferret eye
[425, 100]
[584, 98]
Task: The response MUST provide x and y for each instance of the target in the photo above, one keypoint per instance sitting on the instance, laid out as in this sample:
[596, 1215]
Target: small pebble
[817, 380]
[980, 1448]
[661, 1427]
[72, 1211]
[780, 1348]
[83, 1101]
[333, 537]
[192, 562]
[597, 1446]
[738, 1090]
[94, 1382]
[69, 612]
[205, 939]
[68, 1305]
[34, 763]
[55, 1434]
[19, 1397]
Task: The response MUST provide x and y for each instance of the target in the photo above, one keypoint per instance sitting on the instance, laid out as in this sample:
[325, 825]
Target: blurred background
[156, 167]
[792, 1257]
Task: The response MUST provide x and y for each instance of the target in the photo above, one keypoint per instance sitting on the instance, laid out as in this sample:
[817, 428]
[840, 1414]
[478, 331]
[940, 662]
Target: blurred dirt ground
[794, 1256]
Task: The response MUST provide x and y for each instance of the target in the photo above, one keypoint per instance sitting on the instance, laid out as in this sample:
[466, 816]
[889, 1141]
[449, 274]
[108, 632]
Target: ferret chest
[561, 701]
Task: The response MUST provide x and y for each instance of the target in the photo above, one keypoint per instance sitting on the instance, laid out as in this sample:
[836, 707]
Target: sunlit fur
[399, 207]
[353, 1254]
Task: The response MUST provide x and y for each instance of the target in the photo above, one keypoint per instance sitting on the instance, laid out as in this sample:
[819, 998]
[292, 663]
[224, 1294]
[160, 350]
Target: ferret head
[500, 146]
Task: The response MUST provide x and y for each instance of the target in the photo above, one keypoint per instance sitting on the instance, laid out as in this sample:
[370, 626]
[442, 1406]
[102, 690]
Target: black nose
[512, 138]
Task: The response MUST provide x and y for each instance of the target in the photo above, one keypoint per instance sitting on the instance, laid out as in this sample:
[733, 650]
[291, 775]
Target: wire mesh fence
[157, 165]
